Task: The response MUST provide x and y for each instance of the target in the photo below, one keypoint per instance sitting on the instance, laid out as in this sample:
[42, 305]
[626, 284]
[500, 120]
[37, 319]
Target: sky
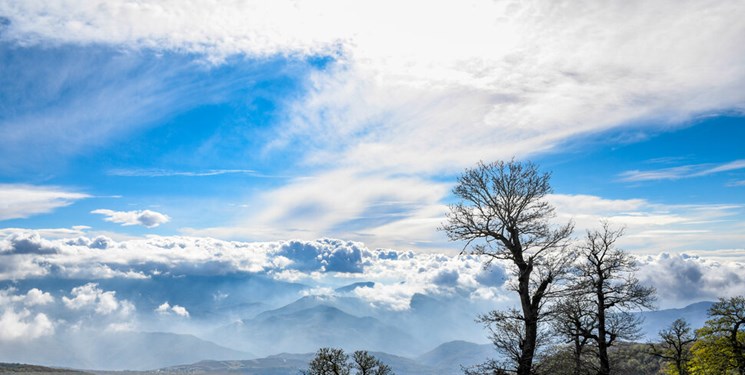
[259, 123]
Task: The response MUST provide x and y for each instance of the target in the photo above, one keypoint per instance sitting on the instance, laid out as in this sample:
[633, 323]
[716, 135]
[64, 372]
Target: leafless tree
[573, 318]
[503, 215]
[606, 274]
[330, 361]
[367, 364]
[675, 345]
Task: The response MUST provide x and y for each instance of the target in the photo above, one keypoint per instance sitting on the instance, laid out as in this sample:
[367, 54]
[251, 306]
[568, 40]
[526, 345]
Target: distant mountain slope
[654, 321]
[20, 368]
[282, 364]
[450, 356]
[305, 330]
[116, 351]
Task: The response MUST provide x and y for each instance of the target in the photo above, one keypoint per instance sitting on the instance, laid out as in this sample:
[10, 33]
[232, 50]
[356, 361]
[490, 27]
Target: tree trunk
[577, 356]
[527, 350]
[601, 340]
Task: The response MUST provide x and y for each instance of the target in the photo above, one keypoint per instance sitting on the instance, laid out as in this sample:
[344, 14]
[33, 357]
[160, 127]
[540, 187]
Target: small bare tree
[330, 361]
[574, 318]
[503, 215]
[606, 274]
[367, 364]
[675, 346]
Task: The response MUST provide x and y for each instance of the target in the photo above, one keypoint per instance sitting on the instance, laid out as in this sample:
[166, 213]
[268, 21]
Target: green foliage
[720, 348]
[711, 354]
[626, 359]
[675, 347]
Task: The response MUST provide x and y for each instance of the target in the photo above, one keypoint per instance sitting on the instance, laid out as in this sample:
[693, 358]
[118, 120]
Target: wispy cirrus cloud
[22, 201]
[172, 173]
[415, 101]
[145, 218]
[680, 172]
[652, 227]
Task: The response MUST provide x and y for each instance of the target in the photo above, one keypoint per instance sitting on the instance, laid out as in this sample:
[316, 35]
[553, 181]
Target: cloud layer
[324, 263]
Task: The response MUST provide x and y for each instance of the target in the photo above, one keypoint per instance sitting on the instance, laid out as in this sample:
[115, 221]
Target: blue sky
[272, 122]
[208, 143]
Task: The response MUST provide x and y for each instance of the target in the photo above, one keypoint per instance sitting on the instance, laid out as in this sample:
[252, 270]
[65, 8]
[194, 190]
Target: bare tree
[330, 361]
[606, 273]
[503, 215]
[367, 364]
[574, 317]
[675, 345]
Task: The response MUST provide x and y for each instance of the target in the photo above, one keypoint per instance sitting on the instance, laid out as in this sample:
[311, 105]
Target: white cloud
[327, 264]
[146, 218]
[34, 297]
[398, 211]
[684, 171]
[90, 296]
[653, 227]
[425, 88]
[682, 279]
[17, 321]
[27, 243]
[37, 297]
[22, 201]
[24, 325]
[171, 173]
[165, 309]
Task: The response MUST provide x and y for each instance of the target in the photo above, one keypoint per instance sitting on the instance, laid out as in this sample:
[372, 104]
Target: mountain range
[250, 328]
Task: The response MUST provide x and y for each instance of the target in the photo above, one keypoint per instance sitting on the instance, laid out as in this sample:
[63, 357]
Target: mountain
[439, 319]
[298, 329]
[450, 356]
[116, 350]
[281, 364]
[654, 321]
[19, 368]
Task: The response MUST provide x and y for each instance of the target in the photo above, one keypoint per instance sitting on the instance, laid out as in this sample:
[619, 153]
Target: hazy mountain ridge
[695, 314]
[290, 364]
[307, 329]
[116, 350]
[242, 325]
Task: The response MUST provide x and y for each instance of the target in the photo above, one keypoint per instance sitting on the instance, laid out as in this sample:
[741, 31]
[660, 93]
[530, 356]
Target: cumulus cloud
[323, 255]
[21, 201]
[323, 265]
[446, 278]
[165, 309]
[34, 297]
[18, 321]
[146, 218]
[26, 243]
[681, 279]
[24, 325]
[90, 296]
